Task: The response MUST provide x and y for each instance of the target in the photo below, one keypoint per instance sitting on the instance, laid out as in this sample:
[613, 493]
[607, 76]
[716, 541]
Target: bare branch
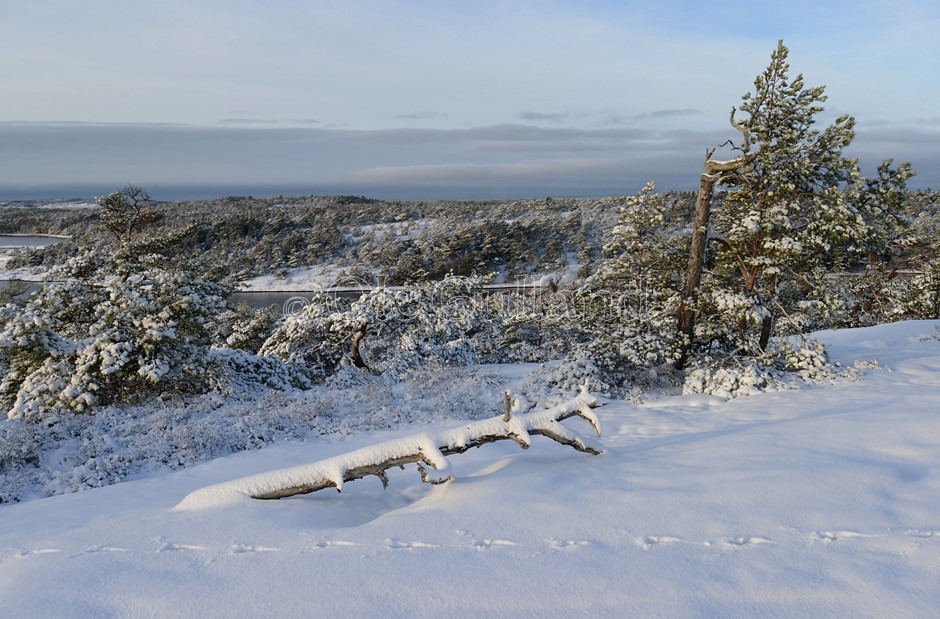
[745, 134]
[427, 451]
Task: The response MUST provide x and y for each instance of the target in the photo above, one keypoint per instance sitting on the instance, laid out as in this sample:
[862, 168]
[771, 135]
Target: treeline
[235, 238]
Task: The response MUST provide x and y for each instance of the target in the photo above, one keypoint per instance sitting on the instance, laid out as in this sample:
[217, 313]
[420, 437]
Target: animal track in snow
[566, 544]
[655, 540]
[395, 544]
[746, 541]
[480, 543]
[832, 536]
[248, 548]
[171, 547]
[334, 544]
[484, 544]
[22, 552]
[737, 541]
[95, 548]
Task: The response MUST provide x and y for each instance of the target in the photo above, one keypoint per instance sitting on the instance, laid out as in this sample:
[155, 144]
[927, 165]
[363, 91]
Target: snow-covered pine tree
[118, 326]
[127, 212]
[634, 290]
[792, 209]
[72, 346]
[887, 249]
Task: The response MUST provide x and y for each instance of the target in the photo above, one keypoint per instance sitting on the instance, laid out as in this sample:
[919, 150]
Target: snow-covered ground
[327, 278]
[819, 502]
[321, 277]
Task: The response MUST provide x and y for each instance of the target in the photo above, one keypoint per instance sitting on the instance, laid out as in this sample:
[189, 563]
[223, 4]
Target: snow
[333, 470]
[823, 501]
[25, 274]
[574, 268]
[320, 277]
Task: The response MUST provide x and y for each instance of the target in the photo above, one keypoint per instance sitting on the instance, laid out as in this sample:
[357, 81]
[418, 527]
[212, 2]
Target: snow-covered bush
[921, 297]
[245, 328]
[529, 326]
[556, 381]
[386, 330]
[785, 363]
[242, 371]
[744, 376]
[913, 294]
[73, 346]
[878, 296]
[68, 452]
[308, 339]
[730, 319]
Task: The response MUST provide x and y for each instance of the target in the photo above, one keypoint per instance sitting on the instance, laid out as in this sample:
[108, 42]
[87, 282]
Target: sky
[435, 99]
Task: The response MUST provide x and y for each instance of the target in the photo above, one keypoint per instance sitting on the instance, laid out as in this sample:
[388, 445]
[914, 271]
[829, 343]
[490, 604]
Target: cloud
[486, 161]
[514, 134]
[270, 121]
[421, 116]
[587, 176]
[469, 174]
[617, 119]
[554, 117]
[677, 112]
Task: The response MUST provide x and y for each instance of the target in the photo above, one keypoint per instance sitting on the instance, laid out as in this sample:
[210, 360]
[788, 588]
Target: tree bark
[765, 329]
[354, 353]
[428, 451]
[711, 174]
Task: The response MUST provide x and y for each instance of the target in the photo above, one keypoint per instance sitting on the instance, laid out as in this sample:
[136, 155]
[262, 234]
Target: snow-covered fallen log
[428, 450]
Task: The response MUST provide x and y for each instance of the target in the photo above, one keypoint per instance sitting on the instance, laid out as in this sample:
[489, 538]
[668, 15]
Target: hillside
[820, 501]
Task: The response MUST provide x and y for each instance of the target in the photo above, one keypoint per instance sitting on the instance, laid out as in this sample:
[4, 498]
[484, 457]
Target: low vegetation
[711, 292]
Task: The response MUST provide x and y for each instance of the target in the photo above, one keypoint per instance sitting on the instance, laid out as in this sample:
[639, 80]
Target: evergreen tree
[795, 204]
[637, 285]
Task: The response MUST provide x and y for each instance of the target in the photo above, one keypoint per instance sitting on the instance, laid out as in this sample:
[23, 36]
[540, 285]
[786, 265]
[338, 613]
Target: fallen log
[428, 451]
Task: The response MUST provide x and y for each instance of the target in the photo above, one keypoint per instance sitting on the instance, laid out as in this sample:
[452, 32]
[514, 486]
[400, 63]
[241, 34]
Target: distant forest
[232, 239]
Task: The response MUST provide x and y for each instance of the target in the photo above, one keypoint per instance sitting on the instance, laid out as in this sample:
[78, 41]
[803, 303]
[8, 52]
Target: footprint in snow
[334, 544]
[832, 536]
[395, 544]
[484, 544]
[166, 546]
[566, 544]
[656, 540]
[745, 541]
[23, 552]
[95, 549]
[480, 543]
[247, 548]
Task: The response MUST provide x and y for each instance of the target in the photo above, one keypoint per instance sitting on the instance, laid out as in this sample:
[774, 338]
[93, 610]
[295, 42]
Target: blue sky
[436, 98]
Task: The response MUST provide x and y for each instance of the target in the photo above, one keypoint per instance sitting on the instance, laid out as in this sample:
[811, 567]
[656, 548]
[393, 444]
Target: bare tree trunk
[354, 349]
[765, 329]
[711, 174]
[428, 450]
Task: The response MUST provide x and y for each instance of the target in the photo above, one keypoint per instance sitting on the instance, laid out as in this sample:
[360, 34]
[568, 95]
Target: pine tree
[794, 204]
[642, 266]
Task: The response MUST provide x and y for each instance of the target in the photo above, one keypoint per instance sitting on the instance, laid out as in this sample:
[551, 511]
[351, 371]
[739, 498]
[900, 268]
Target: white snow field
[821, 502]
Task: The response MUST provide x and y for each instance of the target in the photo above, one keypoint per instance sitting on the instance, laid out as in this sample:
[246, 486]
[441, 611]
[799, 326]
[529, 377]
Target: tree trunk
[354, 349]
[711, 174]
[428, 450]
[765, 329]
